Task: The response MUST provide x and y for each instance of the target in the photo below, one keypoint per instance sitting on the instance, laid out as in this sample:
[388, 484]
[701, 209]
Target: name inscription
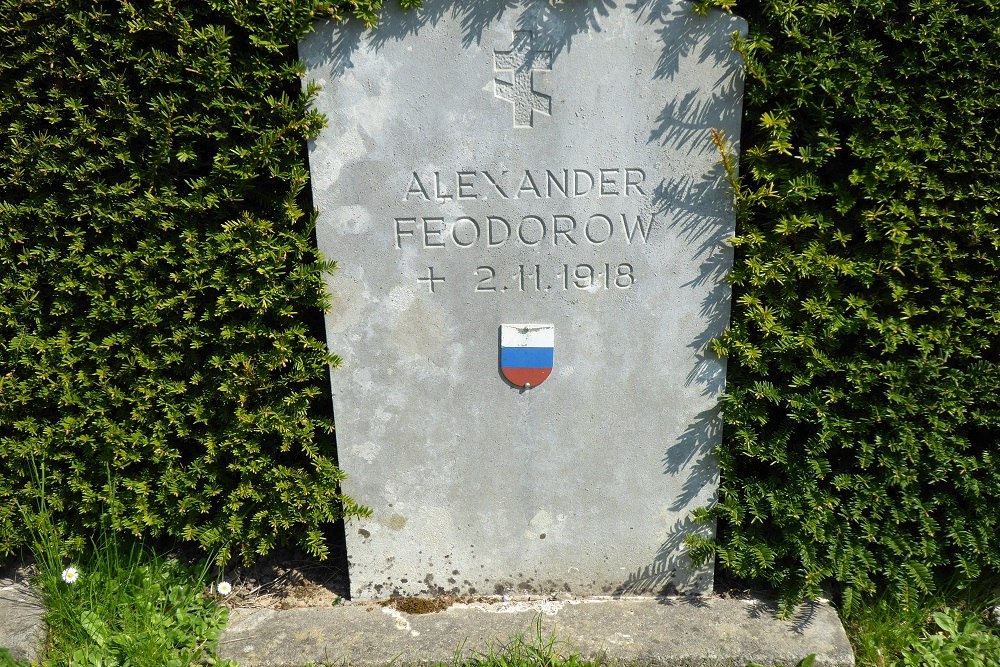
[531, 230]
[430, 231]
[527, 183]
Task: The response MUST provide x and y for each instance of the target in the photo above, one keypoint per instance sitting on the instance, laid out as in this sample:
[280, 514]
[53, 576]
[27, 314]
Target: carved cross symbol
[431, 279]
[522, 61]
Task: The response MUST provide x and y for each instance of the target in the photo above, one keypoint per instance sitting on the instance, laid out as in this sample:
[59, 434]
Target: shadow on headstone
[669, 572]
[699, 436]
[555, 25]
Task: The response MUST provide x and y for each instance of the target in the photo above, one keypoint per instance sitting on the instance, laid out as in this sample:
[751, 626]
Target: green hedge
[158, 275]
[862, 437]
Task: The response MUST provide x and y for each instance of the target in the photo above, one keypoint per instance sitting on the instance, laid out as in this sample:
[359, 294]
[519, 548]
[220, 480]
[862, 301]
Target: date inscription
[536, 278]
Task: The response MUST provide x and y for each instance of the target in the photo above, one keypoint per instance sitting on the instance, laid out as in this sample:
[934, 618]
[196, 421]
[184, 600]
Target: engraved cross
[522, 61]
[431, 279]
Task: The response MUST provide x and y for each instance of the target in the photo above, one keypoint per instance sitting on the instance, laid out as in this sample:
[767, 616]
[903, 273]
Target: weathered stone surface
[491, 163]
[709, 632]
[22, 628]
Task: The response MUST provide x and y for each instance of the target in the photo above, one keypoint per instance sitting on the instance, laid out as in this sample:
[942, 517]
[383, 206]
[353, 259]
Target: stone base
[683, 632]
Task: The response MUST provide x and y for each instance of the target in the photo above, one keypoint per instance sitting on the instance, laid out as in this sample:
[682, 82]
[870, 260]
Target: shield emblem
[526, 353]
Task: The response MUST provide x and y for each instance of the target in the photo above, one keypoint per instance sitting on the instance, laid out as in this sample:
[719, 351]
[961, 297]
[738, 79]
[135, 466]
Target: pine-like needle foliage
[158, 276]
[862, 440]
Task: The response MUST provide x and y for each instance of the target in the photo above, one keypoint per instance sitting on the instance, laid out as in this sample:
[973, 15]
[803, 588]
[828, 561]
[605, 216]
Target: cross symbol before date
[431, 279]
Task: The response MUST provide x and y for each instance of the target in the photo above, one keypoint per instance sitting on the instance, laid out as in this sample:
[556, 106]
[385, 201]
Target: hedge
[861, 419]
[159, 276]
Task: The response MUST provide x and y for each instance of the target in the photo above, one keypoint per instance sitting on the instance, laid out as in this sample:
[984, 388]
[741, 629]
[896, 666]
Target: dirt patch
[21, 571]
[430, 605]
[414, 605]
[287, 579]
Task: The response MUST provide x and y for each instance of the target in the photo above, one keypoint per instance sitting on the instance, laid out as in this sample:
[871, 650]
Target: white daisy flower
[224, 588]
[70, 575]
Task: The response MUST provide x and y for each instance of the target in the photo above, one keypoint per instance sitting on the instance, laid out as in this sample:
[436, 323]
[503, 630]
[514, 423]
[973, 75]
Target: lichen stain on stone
[396, 522]
[314, 636]
[433, 588]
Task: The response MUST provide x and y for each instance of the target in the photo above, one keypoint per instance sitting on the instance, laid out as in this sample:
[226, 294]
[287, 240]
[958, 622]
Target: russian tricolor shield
[526, 353]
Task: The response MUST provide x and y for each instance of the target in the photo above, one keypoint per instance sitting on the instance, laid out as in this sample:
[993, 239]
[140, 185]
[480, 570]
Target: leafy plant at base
[885, 633]
[959, 640]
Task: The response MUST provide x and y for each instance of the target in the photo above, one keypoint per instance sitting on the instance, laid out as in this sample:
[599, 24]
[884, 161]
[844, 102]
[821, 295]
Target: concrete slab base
[675, 632]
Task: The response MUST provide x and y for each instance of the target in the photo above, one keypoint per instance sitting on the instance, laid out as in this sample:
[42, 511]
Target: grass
[127, 606]
[953, 628]
[536, 650]
[120, 604]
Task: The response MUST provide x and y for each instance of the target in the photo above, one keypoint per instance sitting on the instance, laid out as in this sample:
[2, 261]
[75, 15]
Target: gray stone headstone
[526, 163]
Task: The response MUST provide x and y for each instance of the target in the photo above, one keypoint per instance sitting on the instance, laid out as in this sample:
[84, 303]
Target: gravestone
[531, 223]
